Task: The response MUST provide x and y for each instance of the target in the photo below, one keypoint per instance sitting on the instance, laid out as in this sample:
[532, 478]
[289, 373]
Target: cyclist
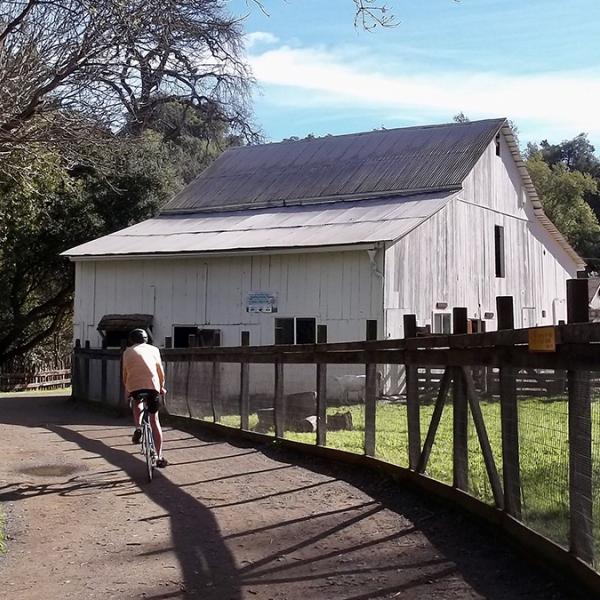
[143, 373]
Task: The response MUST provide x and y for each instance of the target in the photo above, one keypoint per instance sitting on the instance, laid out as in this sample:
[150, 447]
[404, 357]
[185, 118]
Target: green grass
[543, 444]
[66, 391]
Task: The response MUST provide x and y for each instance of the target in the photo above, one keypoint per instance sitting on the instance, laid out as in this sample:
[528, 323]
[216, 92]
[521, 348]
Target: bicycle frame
[147, 447]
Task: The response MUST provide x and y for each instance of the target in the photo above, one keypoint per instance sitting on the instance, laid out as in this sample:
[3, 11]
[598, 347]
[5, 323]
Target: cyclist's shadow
[208, 567]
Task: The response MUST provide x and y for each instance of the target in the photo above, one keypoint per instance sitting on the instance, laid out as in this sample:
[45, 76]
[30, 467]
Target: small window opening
[499, 250]
[284, 331]
[302, 330]
[442, 323]
[371, 329]
[306, 331]
[498, 145]
[181, 336]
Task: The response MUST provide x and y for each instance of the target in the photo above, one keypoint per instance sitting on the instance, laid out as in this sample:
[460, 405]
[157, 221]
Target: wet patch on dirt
[56, 470]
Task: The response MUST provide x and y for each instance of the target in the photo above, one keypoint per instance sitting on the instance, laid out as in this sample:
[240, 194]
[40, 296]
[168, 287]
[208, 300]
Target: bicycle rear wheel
[148, 450]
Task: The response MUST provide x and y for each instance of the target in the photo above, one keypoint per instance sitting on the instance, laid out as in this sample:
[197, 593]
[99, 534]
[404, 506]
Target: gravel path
[224, 522]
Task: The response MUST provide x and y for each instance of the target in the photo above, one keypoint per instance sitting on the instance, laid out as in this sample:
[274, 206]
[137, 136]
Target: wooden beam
[460, 456]
[215, 392]
[244, 386]
[484, 441]
[103, 380]
[370, 407]
[581, 530]
[279, 401]
[413, 408]
[578, 302]
[435, 420]
[322, 391]
[509, 416]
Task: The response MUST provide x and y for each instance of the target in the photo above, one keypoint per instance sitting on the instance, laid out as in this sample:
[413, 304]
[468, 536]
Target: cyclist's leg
[137, 413]
[136, 407]
[157, 434]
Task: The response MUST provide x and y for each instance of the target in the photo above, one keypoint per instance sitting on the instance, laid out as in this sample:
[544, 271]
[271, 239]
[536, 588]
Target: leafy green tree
[54, 209]
[576, 154]
[563, 194]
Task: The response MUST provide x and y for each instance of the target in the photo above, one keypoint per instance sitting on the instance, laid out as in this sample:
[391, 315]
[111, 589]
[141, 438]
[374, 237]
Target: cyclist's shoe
[136, 437]
[162, 462]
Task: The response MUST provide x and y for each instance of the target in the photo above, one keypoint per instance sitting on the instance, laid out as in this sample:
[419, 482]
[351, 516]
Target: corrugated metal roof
[374, 163]
[336, 224]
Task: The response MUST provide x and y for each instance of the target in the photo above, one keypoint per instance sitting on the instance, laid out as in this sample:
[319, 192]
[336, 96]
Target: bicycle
[147, 447]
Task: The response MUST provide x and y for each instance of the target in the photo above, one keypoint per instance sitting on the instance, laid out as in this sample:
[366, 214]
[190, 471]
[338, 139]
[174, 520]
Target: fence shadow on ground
[59, 419]
[463, 548]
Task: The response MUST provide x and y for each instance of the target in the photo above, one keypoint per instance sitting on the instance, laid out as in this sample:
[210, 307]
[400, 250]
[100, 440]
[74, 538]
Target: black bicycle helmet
[138, 336]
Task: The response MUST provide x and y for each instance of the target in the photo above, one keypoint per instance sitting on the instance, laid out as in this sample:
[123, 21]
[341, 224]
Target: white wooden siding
[337, 289]
[451, 257]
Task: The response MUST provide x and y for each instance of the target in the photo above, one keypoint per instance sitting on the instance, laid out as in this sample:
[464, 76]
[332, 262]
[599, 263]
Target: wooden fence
[506, 470]
[40, 380]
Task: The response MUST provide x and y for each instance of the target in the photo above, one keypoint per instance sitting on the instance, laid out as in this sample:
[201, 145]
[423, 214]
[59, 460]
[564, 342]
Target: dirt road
[224, 522]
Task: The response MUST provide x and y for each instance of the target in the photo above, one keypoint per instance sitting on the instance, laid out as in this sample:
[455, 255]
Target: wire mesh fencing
[520, 434]
[345, 403]
[437, 422]
[544, 452]
[391, 427]
[595, 423]
[261, 398]
[299, 403]
[485, 406]
[226, 394]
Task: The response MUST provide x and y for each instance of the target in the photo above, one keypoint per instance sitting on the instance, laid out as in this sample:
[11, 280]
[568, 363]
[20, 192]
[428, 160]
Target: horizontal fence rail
[39, 380]
[472, 416]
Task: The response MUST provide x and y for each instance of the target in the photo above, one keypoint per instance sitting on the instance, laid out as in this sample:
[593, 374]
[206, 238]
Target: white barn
[350, 231]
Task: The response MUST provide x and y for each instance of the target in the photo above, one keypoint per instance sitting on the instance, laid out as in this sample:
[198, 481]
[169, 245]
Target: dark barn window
[181, 336]
[499, 250]
[371, 329]
[284, 331]
[306, 331]
[302, 330]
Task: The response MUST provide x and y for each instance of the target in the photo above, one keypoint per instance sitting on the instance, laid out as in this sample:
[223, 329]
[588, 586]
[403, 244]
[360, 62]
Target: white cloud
[560, 103]
[260, 37]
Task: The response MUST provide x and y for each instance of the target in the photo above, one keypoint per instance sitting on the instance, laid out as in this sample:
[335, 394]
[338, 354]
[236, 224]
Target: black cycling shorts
[150, 396]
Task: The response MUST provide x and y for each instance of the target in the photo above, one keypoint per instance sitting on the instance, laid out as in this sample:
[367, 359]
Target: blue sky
[536, 62]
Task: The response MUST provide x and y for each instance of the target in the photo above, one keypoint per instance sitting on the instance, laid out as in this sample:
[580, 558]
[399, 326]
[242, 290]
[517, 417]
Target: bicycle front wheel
[148, 450]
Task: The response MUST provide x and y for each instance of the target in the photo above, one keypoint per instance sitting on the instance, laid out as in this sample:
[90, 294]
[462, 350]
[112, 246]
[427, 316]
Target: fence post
[122, 400]
[244, 387]
[509, 416]
[279, 401]
[413, 410]
[76, 371]
[86, 371]
[460, 411]
[370, 394]
[321, 391]
[580, 436]
[103, 377]
[215, 392]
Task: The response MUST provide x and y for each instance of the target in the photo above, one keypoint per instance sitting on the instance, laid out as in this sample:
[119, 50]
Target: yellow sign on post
[542, 339]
